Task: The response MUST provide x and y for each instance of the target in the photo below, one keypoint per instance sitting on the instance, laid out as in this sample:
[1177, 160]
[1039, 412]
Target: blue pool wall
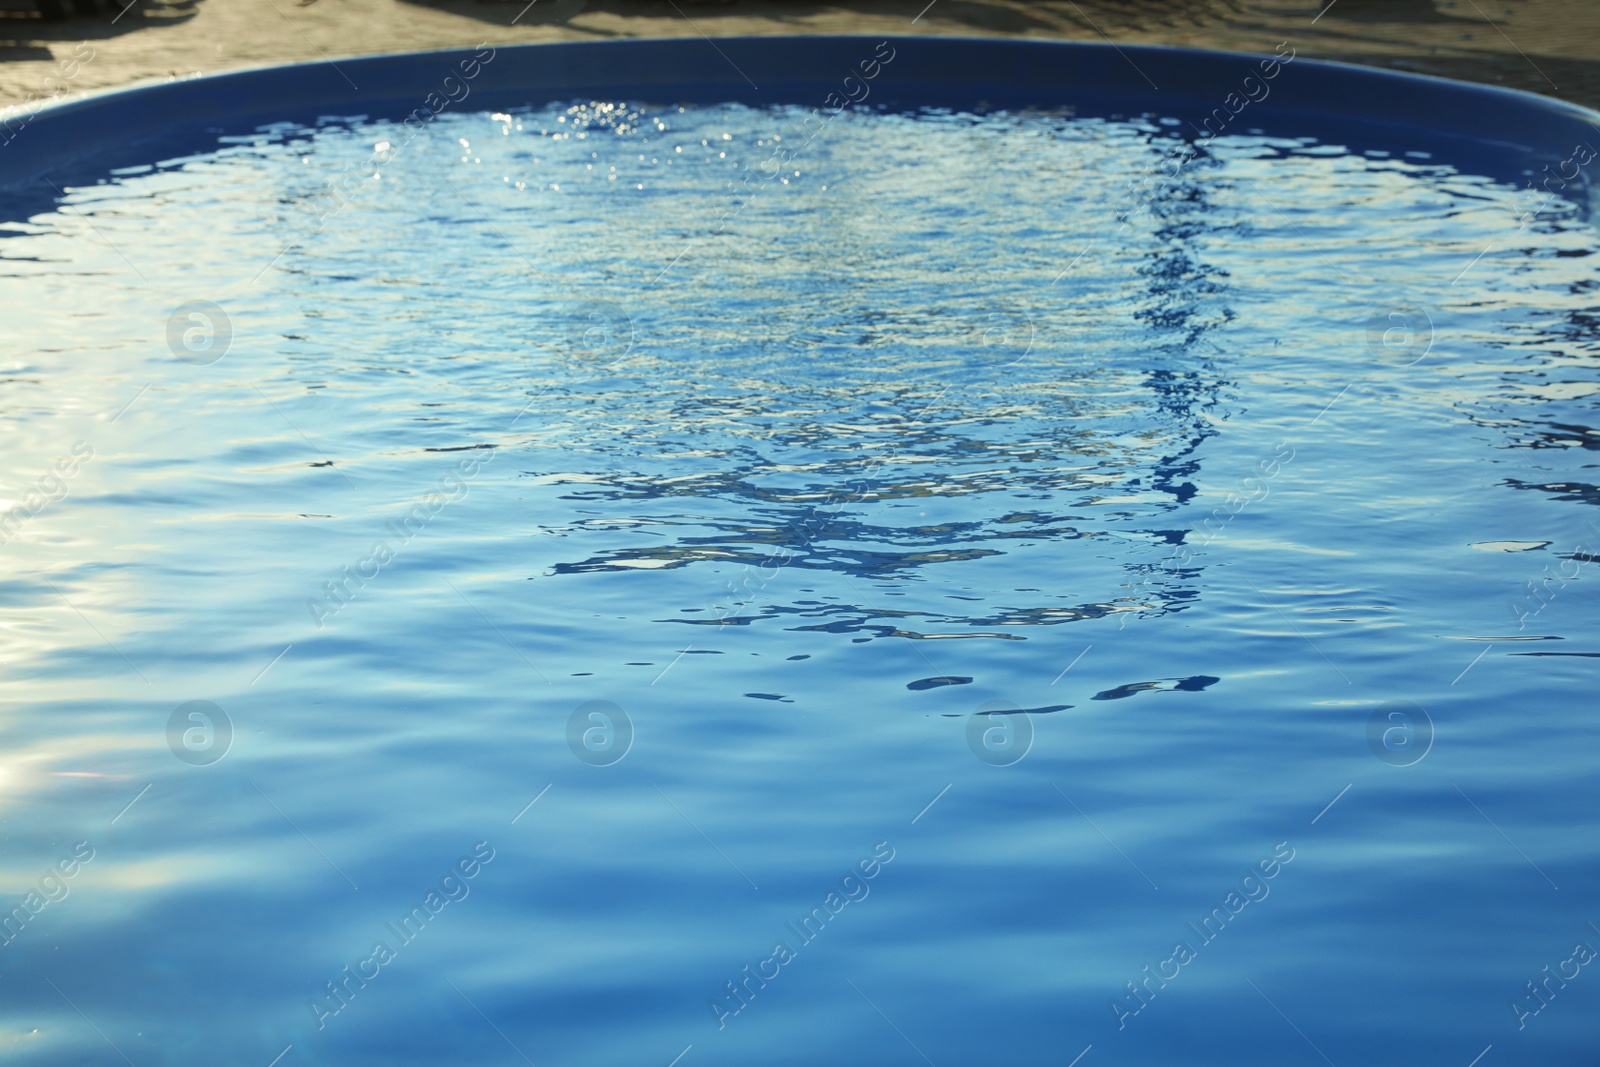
[1499, 133]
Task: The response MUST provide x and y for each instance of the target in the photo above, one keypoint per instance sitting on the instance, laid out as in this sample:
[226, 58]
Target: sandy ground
[1546, 46]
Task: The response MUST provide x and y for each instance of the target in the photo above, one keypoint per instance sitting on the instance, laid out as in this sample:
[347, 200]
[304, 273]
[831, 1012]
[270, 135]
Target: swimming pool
[519, 561]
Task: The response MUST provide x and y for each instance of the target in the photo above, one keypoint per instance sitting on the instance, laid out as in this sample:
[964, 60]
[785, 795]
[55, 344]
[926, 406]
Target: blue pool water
[607, 579]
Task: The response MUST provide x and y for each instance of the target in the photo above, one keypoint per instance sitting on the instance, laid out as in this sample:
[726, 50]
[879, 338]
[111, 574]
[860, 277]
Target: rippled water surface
[614, 555]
